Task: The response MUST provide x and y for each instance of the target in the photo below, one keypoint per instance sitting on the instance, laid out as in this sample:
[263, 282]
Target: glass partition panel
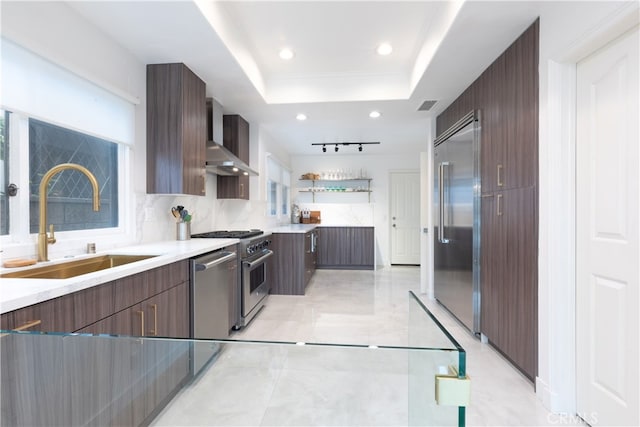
[76, 379]
[425, 331]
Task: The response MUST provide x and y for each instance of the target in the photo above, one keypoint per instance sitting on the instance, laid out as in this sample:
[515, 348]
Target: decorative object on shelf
[345, 144]
[336, 175]
[310, 175]
[337, 188]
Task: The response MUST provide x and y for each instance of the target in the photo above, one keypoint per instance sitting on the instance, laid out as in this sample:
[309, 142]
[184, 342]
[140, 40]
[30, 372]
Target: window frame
[280, 176]
[80, 103]
[19, 236]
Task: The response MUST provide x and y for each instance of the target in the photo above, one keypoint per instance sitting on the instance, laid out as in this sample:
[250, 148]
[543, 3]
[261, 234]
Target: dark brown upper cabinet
[176, 130]
[506, 94]
[236, 139]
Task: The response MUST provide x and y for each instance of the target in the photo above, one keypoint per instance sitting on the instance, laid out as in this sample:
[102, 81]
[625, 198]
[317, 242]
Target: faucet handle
[51, 238]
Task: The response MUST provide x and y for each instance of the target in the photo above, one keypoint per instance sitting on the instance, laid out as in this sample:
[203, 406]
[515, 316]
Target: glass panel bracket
[451, 390]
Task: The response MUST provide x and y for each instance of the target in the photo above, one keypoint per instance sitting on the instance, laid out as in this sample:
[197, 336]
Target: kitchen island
[302, 248]
[295, 254]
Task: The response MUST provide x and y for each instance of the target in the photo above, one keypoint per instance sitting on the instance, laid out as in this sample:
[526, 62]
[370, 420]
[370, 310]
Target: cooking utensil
[175, 213]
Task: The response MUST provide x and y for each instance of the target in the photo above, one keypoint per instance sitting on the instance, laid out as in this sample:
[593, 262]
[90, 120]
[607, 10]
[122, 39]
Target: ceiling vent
[427, 105]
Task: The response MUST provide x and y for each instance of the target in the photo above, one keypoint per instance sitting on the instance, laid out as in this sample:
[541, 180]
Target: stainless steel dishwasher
[214, 282]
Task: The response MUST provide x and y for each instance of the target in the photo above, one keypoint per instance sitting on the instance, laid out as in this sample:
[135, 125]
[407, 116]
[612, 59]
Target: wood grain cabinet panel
[99, 381]
[288, 269]
[349, 248]
[235, 139]
[176, 130]
[34, 377]
[310, 255]
[506, 94]
[6, 321]
[55, 315]
[509, 275]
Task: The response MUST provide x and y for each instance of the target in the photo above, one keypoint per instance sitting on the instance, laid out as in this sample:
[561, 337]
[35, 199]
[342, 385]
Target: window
[52, 116]
[70, 193]
[278, 188]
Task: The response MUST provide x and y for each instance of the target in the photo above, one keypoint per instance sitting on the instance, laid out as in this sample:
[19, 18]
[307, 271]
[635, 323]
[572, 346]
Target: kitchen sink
[75, 268]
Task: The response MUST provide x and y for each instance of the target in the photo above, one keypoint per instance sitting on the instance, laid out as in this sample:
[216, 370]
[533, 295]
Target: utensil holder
[183, 230]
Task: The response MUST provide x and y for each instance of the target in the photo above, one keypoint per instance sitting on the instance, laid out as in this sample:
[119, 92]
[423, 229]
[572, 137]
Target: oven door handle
[227, 256]
[258, 261]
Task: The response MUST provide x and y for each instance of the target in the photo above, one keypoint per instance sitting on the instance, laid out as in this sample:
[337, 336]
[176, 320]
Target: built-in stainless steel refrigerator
[456, 210]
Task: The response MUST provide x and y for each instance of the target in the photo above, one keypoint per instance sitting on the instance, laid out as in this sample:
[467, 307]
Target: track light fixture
[337, 145]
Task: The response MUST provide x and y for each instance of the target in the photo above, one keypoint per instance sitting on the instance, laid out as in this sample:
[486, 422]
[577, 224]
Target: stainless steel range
[254, 254]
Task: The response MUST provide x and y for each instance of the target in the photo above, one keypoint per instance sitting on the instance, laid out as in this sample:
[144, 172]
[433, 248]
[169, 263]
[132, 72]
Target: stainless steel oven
[253, 287]
[255, 284]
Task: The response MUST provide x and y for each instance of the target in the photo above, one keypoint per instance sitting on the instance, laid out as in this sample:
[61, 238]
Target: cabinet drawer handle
[141, 313]
[500, 183]
[30, 324]
[241, 190]
[154, 331]
[499, 204]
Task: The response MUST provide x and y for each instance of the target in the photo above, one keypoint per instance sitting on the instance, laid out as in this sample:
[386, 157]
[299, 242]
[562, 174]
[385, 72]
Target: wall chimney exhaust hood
[221, 161]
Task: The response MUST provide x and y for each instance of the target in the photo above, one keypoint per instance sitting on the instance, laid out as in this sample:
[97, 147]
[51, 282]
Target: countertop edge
[19, 293]
[304, 228]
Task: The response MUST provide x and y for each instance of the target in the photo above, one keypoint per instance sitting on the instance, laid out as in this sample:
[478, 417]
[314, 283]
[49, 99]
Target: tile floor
[294, 385]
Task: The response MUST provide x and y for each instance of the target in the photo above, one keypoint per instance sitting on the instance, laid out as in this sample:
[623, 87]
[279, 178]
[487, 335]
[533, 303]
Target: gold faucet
[43, 239]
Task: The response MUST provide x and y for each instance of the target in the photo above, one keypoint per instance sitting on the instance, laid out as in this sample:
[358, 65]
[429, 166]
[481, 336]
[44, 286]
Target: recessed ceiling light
[286, 53]
[384, 49]
[301, 117]
[374, 114]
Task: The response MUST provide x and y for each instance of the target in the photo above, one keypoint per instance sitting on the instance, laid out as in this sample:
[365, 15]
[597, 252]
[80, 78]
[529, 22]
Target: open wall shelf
[337, 186]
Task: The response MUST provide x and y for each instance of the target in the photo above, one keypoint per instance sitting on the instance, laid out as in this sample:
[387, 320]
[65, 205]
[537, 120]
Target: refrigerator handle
[441, 200]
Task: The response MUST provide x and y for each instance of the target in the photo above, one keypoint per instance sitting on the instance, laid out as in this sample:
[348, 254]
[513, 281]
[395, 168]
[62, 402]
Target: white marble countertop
[19, 293]
[294, 228]
[303, 228]
[345, 225]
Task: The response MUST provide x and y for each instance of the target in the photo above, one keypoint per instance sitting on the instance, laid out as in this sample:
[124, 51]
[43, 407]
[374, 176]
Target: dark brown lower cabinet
[509, 275]
[48, 316]
[144, 373]
[294, 262]
[348, 248]
[34, 380]
[87, 380]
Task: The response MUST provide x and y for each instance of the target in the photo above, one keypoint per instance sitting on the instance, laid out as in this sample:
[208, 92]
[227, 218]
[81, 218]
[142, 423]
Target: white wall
[566, 31]
[58, 33]
[355, 209]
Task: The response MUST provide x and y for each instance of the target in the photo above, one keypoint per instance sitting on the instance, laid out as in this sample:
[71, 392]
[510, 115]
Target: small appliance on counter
[310, 217]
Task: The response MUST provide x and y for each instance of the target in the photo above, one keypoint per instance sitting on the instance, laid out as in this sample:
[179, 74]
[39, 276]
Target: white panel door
[607, 234]
[405, 218]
